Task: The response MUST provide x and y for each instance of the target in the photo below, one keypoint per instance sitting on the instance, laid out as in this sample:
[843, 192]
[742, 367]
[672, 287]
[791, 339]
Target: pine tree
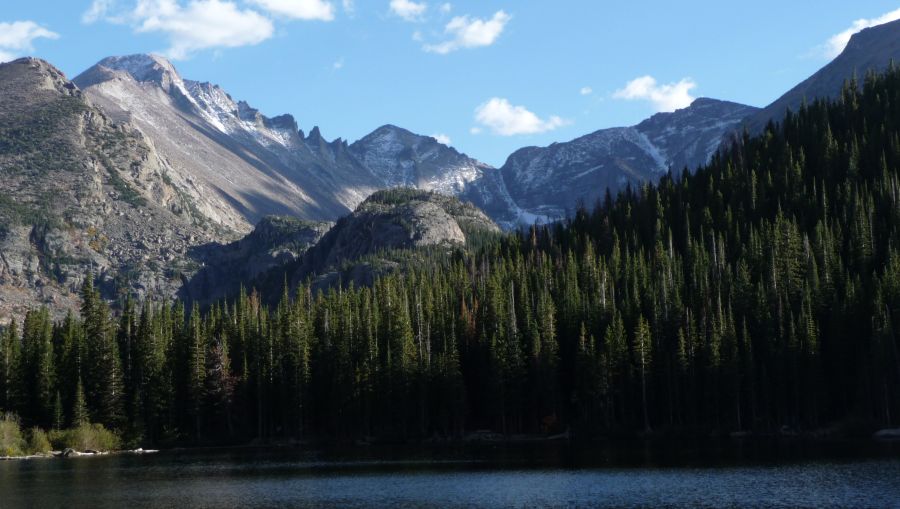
[101, 362]
[643, 354]
[218, 385]
[80, 415]
[36, 369]
[10, 351]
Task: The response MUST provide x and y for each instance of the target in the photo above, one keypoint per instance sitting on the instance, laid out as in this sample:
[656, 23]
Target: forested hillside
[758, 293]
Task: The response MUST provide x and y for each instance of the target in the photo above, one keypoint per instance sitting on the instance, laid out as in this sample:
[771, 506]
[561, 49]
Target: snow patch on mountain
[552, 181]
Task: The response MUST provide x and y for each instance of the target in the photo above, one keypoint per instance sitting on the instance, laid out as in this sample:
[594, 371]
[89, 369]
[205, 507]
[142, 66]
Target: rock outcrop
[275, 242]
[82, 192]
[398, 219]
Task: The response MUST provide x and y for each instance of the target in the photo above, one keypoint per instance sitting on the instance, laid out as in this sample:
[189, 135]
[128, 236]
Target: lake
[727, 474]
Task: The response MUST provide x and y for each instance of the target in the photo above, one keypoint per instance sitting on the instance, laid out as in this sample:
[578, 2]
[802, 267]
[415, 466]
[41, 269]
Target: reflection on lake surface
[538, 475]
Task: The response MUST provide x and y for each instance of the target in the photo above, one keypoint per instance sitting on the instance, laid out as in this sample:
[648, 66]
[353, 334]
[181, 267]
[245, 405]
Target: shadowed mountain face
[236, 164]
[871, 49]
[239, 165]
[357, 248]
[274, 243]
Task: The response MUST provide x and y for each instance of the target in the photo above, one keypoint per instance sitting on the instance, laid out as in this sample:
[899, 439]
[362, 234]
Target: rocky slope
[239, 165]
[82, 192]
[365, 243]
[870, 49]
[236, 165]
[398, 219]
[384, 234]
[275, 242]
[145, 178]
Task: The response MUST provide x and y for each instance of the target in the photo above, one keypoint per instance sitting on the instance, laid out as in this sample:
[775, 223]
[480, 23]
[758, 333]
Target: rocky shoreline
[72, 453]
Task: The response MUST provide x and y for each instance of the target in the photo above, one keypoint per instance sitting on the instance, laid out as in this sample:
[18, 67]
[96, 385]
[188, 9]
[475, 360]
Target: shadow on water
[757, 473]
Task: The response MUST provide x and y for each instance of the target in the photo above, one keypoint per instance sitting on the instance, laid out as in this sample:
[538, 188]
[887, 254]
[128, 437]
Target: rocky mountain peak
[877, 37]
[689, 137]
[389, 130]
[704, 102]
[546, 183]
[36, 73]
[145, 68]
[700, 108]
[871, 49]
[402, 158]
[398, 138]
[315, 134]
[81, 189]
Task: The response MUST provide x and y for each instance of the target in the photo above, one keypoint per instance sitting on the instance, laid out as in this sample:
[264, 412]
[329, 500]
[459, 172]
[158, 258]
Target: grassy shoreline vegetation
[757, 296]
[16, 442]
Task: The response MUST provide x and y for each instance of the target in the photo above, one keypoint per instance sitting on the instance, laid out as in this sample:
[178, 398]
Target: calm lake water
[537, 475]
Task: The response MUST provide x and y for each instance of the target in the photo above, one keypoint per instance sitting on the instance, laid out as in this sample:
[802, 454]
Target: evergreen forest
[757, 294]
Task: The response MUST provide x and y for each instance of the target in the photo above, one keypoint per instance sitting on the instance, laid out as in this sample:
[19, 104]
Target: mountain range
[238, 165]
[149, 180]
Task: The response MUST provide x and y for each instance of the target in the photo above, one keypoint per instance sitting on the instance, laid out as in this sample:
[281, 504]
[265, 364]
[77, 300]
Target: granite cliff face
[82, 192]
[398, 219]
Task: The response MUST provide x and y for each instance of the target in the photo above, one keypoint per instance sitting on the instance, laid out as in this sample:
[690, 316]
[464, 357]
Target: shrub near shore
[93, 437]
[11, 441]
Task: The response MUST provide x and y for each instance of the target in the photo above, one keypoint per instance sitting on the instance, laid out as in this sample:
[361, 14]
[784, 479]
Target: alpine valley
[162, 186]
[223, 308]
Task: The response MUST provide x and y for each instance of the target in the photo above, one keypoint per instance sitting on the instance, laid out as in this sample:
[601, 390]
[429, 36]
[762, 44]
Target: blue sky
[489, 75]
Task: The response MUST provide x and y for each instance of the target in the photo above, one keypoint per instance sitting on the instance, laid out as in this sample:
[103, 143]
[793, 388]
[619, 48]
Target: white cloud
[195, 25]
[669, 97]
[838, 42]
[97, 10]
[417, 36]
[475, 130]
[17, 37]
[408, 10]
[349, 6]
[504, 119]
[446, 8]
[338, 64]
[298, 9]
[469, 32]
[586, 91]
[202, 24]
[441, 138]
